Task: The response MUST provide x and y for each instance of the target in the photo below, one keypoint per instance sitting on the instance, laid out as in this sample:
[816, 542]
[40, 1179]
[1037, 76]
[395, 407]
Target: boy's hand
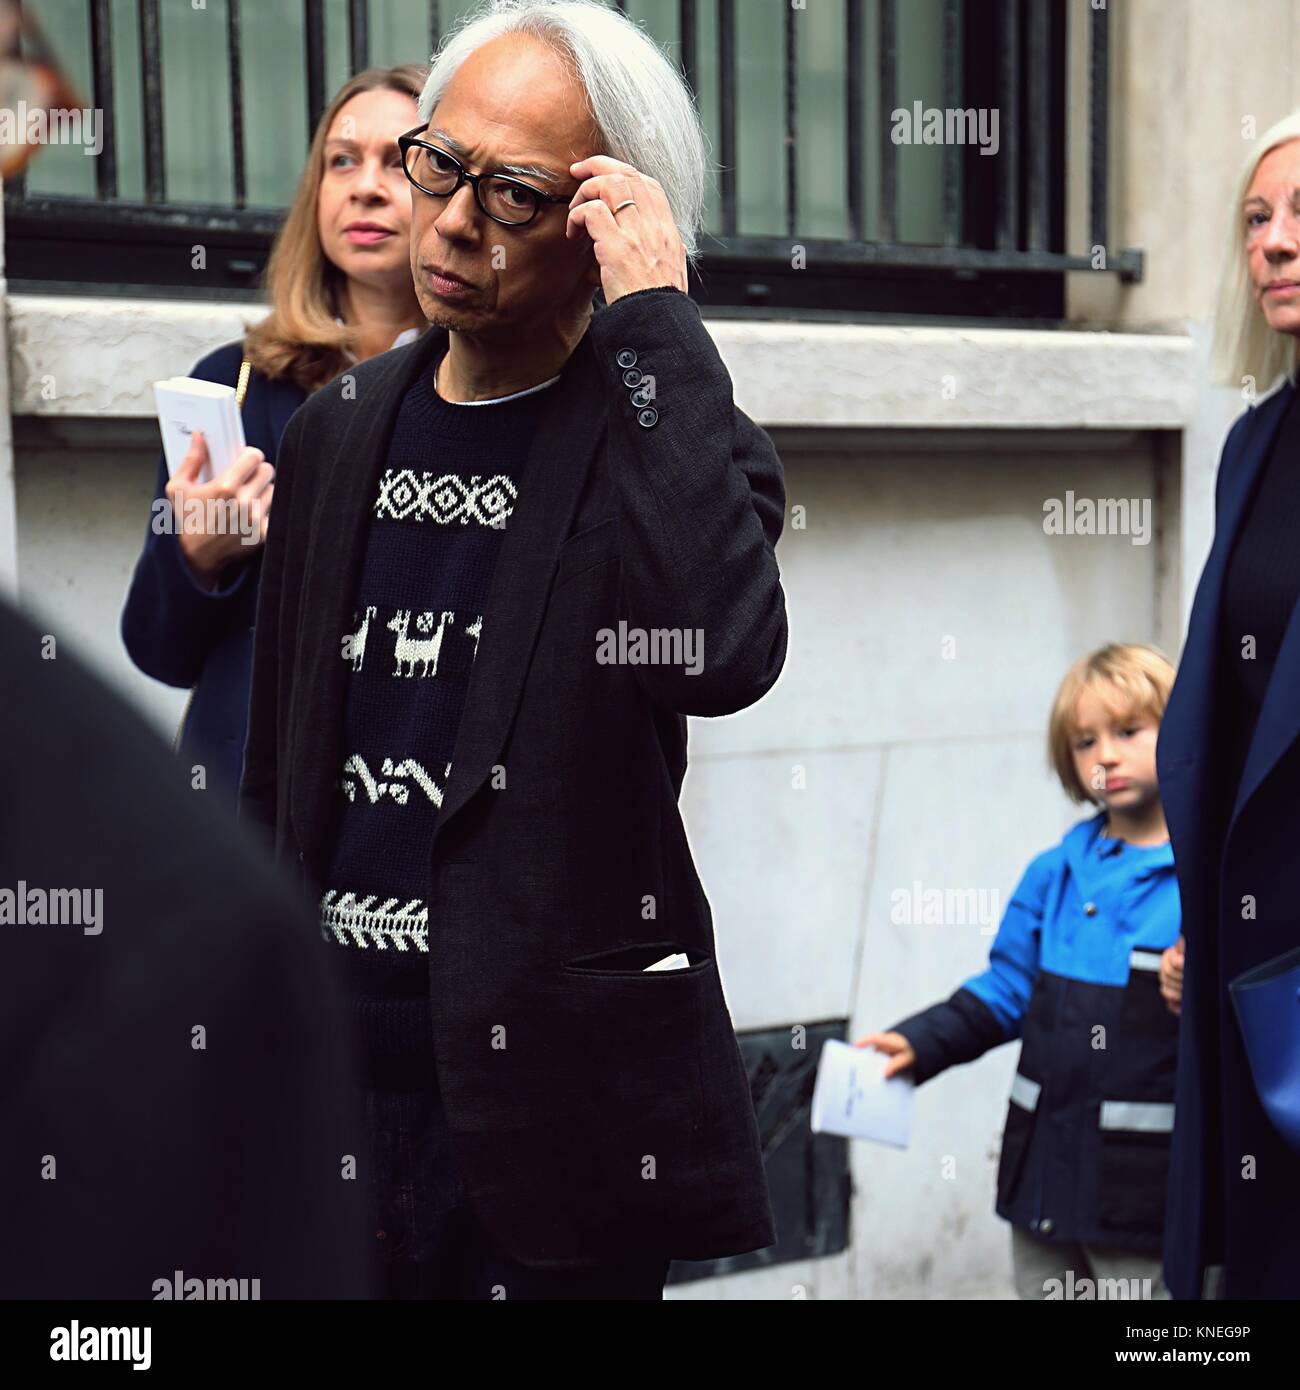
[1171, 977]
[895, 1046]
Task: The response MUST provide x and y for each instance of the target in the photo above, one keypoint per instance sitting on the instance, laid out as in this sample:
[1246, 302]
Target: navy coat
[182, 635]
[1246, 1218]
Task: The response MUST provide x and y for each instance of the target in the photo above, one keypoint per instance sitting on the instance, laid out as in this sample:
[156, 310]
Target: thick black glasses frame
[411, 138]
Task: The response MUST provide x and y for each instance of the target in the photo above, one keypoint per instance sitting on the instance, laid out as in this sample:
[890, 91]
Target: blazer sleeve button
[1090, 909]
[647, 417]
[632, 377]
[626, 358]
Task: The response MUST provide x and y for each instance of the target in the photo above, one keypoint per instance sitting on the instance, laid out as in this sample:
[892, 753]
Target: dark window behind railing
[816, 206]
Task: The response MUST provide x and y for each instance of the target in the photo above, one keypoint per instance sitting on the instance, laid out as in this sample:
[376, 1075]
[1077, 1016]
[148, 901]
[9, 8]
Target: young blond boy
[1086, 970]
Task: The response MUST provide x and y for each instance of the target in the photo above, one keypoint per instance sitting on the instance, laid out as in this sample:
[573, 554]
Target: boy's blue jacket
[1074, 973]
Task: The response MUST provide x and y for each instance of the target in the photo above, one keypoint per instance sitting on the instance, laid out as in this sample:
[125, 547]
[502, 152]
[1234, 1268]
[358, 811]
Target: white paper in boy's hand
[852, 1097]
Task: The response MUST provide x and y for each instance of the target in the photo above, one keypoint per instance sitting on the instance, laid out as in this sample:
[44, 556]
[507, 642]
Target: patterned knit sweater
[445, 496]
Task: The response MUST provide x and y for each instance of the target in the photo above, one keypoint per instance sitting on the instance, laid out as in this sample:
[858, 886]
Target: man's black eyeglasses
[503, 199]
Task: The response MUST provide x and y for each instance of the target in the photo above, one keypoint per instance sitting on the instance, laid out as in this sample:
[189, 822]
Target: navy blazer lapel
[568, 432]
[1189, 720]
[1189, 716]
[1279, 715]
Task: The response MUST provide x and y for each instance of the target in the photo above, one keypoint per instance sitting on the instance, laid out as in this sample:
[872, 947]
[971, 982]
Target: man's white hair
[1245, 347]
[640, 103]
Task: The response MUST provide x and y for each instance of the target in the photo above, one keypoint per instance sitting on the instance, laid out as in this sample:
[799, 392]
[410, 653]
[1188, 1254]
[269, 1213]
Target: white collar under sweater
[409, 335]
[495, 400]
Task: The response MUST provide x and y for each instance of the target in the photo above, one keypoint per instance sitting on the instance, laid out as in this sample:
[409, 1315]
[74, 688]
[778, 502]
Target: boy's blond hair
[1128, 678]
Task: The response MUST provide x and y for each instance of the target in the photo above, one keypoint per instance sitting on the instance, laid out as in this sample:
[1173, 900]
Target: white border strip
[1148, 1118]
[1025, 1092]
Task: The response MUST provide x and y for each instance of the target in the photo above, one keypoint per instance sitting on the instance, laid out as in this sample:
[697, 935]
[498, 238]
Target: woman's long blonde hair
[1246, 349]
[299, 338]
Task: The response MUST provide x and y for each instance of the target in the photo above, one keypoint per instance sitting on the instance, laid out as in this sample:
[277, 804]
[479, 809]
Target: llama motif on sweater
[443, 502]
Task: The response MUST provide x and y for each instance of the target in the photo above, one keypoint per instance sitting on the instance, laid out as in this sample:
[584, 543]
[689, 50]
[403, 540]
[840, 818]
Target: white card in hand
[852, 1097]
[186, 404]
[677, 961]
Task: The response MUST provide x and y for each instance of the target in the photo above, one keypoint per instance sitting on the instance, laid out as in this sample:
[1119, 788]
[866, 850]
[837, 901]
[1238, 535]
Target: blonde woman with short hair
[339, 286]
[1230, 773]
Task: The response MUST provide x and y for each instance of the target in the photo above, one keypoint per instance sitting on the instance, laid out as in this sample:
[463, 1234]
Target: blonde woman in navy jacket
[339, 284]
[1075, 973]
[1230, 772]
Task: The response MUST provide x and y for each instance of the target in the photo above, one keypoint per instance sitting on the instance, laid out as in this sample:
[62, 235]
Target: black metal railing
[1002, 246]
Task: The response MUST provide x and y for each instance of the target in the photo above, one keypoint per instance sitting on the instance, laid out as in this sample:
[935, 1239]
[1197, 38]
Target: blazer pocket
[587, 549]
[631, 961]
[619, 1135]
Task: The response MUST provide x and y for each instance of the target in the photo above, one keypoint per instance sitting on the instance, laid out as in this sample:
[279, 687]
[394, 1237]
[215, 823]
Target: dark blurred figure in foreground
[173, 1092]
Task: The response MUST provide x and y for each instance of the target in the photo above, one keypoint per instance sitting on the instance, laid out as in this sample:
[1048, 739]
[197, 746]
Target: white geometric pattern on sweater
[407, 496]
[409, 650]
[398, 790]
[353, 921]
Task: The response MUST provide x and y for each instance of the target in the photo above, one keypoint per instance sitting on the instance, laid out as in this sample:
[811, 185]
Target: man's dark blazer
[1248, 1222]
[595, 1109]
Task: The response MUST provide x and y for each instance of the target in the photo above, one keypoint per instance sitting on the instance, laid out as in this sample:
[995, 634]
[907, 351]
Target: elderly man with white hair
[506, 562]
